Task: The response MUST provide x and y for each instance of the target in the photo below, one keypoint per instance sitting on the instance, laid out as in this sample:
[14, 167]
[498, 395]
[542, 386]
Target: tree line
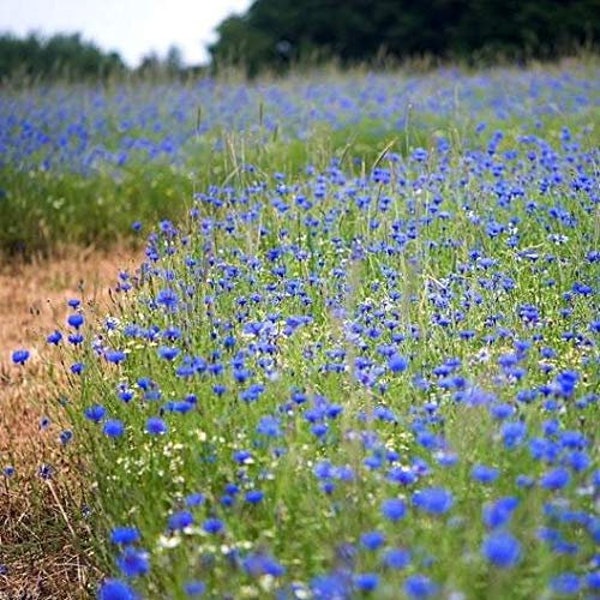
[276, 34]
[69, 57]
[273, 34]
[62, 55]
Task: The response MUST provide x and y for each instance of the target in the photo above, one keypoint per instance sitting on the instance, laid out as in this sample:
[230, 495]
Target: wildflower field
[361, 356]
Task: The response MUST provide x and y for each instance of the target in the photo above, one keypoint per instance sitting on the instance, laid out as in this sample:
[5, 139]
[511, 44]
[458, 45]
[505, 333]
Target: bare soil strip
[39, 554]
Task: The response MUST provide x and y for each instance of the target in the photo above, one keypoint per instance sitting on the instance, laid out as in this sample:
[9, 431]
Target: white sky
[131, 27]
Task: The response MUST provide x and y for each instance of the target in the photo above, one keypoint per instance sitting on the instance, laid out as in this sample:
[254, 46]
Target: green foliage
[60, 56]
[274, 34]
[43, 211]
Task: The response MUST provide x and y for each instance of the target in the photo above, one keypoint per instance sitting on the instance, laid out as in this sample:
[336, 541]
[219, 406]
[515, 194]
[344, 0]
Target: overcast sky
[131, 27]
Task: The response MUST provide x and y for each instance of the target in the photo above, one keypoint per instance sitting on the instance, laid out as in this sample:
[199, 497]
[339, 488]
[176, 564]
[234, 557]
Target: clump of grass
[45, 548]
[44, 541]
[43, 537]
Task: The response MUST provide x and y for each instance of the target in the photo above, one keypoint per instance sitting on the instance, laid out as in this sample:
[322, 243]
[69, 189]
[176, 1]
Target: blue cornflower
[593, 528]
[77, 368]
[502, 549]
[167, 298]
[195, 499]
[124, 535]
[372, 540]
[168, 352]
[475, 396]
[227, 500]
[433, 500]
[152, 394]
[219, 389]
[383, 413]
[75, 320]
[156, 426]
[180, 520]
[262, 564]
[20, 357]
[269, 426]
[232, 488]
[330, 586]
[254, 496]
[46, 471]
[133, 562]
[298, 397]
[419, 154]
[115, 589]
[194, 588]
[499, 513]
[319, 429]
[171, 333]
[242, 456]
[593, 256]
[566, 584]
[66, 436]
[419, 586]
[555, 479]
[126, 394]
[397, 363]
[513, 433]
[252, 393]
[54, 338]
[115, 356]
[402, 475]
[573, 440]
[396, 558]
[95, 412]
[345, 554]
[333, 411]
[393, 509]
[484, 474]
[565, 383]
[578, 461]
[592, 580]
[241, 375]
[365, 582]
[213, 525]
[113, 428]
[145, 383]
[75, 338]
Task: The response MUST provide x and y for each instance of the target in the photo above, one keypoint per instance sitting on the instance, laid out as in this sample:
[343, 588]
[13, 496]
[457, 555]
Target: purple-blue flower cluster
[98, 130]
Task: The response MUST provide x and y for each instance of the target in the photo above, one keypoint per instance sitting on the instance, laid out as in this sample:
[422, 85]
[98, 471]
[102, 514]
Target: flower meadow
[79, 164]
[358, 379]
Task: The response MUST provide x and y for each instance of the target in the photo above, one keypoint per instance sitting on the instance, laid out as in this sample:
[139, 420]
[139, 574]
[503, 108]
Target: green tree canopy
[62, 55]
[274, 33]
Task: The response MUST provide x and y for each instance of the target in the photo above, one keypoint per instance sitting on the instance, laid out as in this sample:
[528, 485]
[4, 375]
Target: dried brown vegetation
[41, 522]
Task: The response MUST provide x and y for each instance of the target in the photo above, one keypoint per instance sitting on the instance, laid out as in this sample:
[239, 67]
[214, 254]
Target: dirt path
[38, 558]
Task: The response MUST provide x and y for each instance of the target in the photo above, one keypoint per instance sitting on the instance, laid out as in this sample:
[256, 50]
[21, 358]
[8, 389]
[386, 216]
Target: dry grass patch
[42, 520]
